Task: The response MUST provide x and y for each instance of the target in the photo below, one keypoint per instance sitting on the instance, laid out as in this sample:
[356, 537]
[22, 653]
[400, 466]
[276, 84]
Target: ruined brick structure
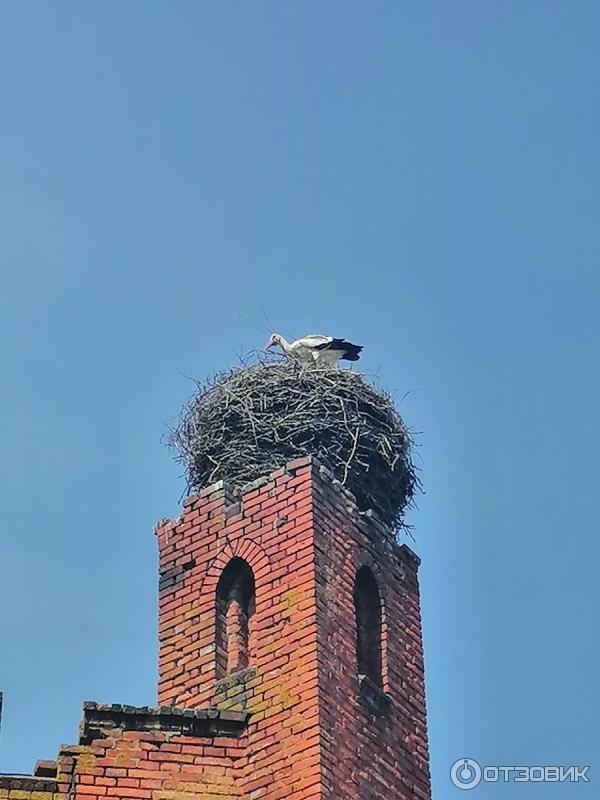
[290, 660]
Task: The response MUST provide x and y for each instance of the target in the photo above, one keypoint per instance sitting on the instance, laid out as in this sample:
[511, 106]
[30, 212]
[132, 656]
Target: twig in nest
[352, 454]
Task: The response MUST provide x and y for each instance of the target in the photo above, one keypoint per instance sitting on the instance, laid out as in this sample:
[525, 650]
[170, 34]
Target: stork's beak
[268, 344]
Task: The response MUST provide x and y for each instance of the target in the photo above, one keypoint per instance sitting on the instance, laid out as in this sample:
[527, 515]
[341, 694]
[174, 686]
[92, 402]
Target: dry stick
[347, 464]
[215, 470]
[252, 421]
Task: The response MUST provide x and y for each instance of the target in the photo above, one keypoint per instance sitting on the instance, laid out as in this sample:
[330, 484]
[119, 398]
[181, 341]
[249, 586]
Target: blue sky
[422, 178]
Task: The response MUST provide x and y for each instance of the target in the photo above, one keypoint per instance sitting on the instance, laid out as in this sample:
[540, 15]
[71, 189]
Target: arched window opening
[235, 607]
[367, 606]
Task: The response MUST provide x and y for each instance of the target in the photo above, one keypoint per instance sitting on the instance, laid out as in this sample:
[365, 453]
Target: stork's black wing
[350, 351]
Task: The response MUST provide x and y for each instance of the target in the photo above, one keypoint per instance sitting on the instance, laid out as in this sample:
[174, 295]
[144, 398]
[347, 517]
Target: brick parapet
[27, 787]
[99, 720]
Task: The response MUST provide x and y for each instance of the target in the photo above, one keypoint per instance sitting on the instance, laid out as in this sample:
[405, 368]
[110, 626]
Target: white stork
[317, 348]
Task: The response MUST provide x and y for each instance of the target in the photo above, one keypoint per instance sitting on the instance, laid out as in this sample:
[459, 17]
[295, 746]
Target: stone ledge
[45, 769]
[239, 678]
[99, 720]
[377, 700]
[27, 783]
[257, 483]
[410, 556]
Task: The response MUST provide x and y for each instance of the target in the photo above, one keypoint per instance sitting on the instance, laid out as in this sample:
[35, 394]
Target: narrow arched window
[235, 607]
[367, 606]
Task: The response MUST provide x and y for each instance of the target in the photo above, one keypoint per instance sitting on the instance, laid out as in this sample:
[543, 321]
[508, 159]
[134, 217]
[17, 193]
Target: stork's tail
[351, 351]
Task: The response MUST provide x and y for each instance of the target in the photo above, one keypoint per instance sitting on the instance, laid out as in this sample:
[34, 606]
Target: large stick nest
[251, 420]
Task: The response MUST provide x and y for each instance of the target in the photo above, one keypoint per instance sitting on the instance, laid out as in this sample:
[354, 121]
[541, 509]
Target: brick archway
[246, 549]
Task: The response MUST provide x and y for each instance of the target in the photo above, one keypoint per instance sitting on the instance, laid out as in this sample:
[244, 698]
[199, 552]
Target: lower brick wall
[177, 755]
[157, 766]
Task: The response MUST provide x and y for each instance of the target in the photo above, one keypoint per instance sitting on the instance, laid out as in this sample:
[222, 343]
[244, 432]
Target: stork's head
[274, 339]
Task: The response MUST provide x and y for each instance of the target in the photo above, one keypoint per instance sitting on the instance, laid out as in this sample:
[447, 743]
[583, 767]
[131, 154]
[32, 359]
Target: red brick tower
[290, 606]
[290, 663]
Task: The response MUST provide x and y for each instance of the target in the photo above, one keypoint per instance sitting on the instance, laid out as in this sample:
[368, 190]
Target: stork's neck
[284, 344]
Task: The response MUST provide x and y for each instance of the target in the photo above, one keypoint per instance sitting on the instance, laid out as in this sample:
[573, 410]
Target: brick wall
[267, 582]
[374, 743]
[141, 754]
[315, 731]
[272, 530]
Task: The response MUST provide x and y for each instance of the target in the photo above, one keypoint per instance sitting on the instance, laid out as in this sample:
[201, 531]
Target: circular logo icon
[465, 773]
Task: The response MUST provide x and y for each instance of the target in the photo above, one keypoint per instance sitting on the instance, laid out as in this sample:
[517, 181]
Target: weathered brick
[298, 723]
